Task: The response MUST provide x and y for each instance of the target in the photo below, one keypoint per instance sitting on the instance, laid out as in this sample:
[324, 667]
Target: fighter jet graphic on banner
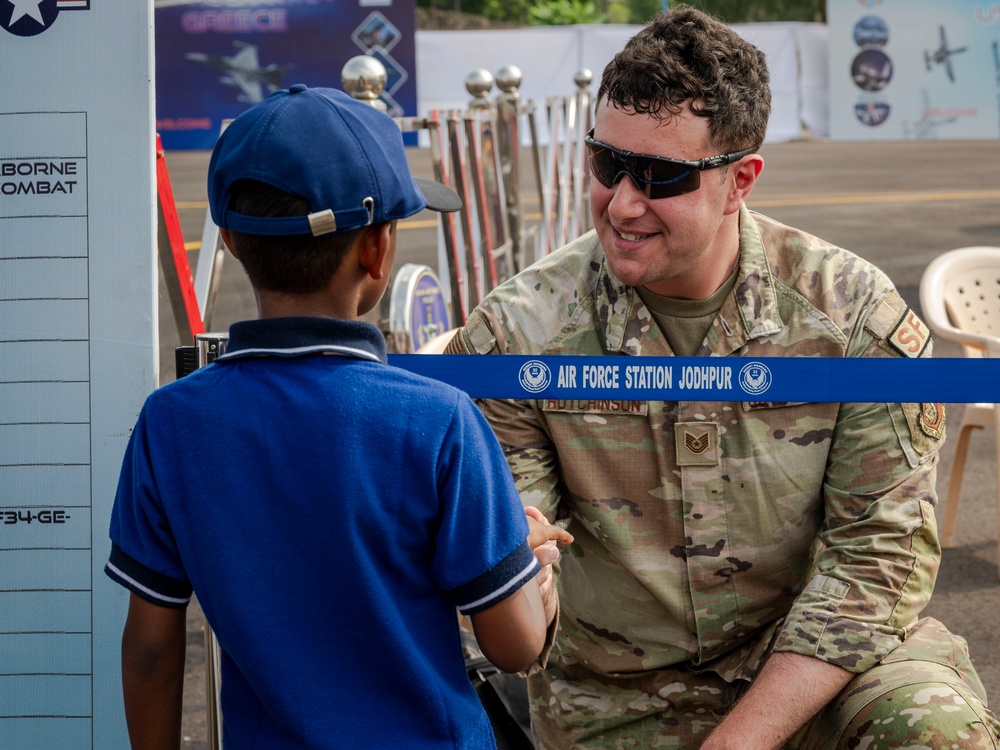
[243, 70]
[942, 55]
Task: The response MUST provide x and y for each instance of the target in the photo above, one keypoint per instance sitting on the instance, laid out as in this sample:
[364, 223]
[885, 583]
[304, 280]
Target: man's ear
[375, 257]
[227, 239]
[744, 176]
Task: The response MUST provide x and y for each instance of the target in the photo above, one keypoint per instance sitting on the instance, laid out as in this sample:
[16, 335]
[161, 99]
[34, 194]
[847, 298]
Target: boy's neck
[317, 305]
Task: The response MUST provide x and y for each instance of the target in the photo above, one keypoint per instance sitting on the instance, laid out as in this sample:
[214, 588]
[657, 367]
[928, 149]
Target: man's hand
[544, 538]
[789, 691]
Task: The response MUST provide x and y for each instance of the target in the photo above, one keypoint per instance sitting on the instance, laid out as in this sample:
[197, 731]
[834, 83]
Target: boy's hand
[543, 539]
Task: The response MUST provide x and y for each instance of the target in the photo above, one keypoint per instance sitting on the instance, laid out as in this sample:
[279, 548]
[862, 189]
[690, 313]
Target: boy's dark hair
[685, 56]
[292, 264]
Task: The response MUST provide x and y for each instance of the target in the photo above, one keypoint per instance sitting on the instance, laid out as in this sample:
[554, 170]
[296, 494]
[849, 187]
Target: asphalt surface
[896, 204]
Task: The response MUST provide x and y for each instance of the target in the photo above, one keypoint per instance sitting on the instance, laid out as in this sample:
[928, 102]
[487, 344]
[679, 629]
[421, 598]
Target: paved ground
[897, 204]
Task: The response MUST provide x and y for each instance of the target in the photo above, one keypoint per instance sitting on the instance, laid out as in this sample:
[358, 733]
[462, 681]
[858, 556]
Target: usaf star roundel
[27, 17]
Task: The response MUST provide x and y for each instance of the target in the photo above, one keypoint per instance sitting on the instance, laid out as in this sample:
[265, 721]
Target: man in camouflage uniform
[745, 575]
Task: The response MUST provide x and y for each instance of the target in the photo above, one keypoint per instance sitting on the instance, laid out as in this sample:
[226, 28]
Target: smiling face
[682, 247]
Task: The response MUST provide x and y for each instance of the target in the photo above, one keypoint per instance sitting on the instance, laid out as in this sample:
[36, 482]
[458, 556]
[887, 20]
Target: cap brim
[439, 197]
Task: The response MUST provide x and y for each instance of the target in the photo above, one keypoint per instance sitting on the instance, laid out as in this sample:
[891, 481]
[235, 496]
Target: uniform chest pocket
[773, 428]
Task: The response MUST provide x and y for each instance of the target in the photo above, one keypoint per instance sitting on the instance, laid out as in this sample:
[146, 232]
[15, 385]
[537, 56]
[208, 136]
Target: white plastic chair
[960, 301]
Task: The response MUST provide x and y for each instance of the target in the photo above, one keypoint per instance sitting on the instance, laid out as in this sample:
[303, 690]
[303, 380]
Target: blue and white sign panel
[77, 352]
[216, 58]
[914, 69]
[782, 379]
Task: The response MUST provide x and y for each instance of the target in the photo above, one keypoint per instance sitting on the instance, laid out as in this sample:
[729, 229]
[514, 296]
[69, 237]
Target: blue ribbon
[796, 379]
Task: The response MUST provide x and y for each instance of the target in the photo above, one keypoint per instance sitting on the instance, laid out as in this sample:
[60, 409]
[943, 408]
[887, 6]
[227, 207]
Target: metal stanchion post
[536, 161]
[508, 80]
[478, 83]
[566, 172]
[553, 182]
[582, 220]
[460, 180]
[482, 135]
[364, 78]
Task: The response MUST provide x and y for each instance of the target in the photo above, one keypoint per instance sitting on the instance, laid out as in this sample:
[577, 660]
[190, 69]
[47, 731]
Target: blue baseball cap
[340, 154]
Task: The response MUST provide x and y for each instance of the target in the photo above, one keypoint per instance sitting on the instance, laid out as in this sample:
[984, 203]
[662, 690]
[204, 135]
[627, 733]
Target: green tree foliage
[759, 11]
[565, 12]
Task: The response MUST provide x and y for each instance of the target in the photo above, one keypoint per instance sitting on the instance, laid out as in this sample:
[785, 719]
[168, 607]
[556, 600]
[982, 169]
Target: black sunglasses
[656, 176]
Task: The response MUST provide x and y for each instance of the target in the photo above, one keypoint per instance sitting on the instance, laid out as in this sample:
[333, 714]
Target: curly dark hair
[291, 264]
[685, 57]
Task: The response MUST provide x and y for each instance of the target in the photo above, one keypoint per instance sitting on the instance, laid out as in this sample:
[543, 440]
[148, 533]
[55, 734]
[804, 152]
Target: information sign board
[77, 352]
[914, 69]
[216, 58]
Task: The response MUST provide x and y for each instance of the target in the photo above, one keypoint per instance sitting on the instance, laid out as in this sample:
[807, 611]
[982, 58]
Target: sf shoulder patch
[910, 336]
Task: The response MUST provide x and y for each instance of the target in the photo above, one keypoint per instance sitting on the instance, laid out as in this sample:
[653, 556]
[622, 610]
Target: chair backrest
[960, 297]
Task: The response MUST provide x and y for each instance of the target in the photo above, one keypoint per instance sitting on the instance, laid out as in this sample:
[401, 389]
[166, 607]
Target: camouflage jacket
[804, 527]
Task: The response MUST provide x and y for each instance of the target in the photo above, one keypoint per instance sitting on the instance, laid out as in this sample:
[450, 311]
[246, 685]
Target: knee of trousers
[927, 714]
[933, 715]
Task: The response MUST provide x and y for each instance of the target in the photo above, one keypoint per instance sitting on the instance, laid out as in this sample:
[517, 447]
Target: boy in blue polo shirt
[331, 512]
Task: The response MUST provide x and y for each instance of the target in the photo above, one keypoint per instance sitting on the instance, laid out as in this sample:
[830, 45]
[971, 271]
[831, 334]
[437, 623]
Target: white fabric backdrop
[550, 56]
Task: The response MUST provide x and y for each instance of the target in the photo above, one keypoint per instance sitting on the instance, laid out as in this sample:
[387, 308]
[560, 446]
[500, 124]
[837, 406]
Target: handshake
[544, 538]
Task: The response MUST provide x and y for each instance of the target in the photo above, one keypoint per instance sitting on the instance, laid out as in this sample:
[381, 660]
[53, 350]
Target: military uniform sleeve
[878, 550]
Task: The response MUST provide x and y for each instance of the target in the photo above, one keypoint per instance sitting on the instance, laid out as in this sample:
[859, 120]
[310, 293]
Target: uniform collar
[297, 337]
[755, 296]
[749, 312]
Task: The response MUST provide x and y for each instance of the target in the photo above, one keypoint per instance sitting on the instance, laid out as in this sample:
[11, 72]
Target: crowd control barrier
[479, 152]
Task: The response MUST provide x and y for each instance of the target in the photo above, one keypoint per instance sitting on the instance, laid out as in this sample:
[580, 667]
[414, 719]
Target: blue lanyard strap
[798, 379]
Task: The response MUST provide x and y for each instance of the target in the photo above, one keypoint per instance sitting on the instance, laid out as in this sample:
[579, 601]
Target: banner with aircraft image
[216, 58]
[914, 69]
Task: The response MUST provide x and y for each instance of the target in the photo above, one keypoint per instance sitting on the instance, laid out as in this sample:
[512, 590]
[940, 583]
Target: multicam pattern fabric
[806, 528]
[924, 695]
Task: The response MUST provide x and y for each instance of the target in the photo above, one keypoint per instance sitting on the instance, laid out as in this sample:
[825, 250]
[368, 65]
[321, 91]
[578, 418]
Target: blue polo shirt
[331, 512]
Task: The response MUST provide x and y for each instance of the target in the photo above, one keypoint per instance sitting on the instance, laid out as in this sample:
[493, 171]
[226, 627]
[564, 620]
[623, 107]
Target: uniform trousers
[925, 694]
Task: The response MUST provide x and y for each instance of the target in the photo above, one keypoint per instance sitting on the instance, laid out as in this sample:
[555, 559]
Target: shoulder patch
[886, 314]
[479, 335]
[927, 426]
[910, 335]
[932, 418]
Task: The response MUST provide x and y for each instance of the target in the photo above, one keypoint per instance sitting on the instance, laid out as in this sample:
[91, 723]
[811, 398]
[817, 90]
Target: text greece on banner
[216, 59]
[77, 353]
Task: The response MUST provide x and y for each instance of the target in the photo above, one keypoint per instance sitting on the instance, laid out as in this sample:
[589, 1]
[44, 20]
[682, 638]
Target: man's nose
[629, 198]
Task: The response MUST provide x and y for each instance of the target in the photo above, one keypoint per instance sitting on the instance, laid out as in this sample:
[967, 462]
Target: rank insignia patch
[697, 443]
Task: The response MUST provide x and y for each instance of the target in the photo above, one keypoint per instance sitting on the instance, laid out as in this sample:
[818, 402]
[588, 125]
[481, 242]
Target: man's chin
[627, 270]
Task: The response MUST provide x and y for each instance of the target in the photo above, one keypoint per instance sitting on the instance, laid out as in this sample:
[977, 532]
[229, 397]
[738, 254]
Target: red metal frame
[175, 265]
